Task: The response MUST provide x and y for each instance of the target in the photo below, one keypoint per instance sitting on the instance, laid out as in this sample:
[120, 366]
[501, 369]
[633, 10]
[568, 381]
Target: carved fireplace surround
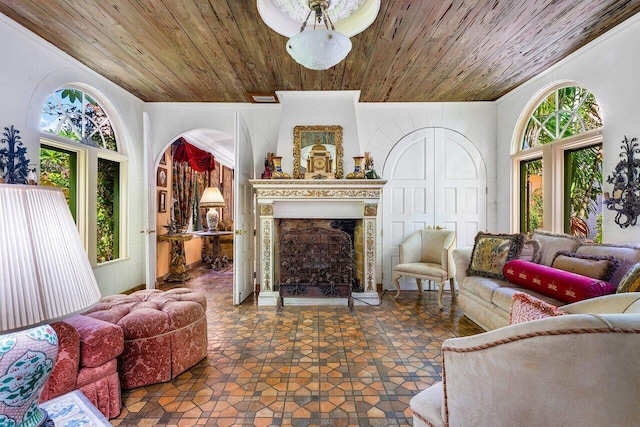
[331, 199]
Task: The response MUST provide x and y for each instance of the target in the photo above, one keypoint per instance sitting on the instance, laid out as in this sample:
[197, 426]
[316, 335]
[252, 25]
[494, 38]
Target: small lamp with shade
[212, 199]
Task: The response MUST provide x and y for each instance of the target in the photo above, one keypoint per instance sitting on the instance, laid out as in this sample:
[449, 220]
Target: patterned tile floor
[309, 366]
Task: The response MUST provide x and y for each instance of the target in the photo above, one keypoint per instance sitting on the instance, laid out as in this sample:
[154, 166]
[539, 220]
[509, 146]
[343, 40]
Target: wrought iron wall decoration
[625, 198]
[14, 165]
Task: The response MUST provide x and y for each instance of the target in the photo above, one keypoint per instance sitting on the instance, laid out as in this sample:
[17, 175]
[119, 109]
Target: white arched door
[436, 177]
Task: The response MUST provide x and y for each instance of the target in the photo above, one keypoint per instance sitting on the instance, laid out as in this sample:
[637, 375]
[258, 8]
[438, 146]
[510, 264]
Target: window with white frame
[558, 165]
[79, 153]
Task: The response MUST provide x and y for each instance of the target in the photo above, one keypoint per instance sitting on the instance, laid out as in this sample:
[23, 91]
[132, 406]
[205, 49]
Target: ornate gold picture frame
[305, 137]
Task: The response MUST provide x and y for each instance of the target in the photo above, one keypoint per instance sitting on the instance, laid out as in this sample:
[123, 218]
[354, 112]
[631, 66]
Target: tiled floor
[309, 366]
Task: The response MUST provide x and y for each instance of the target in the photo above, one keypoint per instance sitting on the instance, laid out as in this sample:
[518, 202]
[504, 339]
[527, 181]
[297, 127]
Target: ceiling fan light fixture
[319, 49]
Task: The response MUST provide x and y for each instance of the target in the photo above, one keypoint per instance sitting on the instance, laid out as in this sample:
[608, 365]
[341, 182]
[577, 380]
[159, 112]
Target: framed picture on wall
[162, 201]
[161, 180]
[163, 159]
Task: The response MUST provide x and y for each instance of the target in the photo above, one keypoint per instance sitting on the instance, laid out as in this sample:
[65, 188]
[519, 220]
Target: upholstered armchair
[578, 369]
[427, 255]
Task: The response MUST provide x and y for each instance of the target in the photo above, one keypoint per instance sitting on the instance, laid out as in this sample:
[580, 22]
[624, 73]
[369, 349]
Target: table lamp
[45, 276]
[212, 199]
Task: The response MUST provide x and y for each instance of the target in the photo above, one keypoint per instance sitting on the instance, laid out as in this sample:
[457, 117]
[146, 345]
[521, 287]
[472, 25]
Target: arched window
[558, 164]
[80, 153]
[566, 112]
[74, 114]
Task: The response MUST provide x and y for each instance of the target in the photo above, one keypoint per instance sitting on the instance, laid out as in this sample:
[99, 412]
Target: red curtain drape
[198, 159]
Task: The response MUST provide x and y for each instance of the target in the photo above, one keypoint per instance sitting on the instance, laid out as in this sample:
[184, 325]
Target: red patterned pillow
[524, 308]
[561, 285]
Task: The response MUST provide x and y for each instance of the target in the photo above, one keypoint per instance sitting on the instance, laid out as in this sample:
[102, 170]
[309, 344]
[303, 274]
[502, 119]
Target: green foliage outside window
[74, 114]
[531, 194]
[567, 111]
[57, 169]
[107, 210]
[584, 182]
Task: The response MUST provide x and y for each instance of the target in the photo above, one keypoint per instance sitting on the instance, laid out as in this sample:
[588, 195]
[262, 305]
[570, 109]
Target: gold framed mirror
[306, 137]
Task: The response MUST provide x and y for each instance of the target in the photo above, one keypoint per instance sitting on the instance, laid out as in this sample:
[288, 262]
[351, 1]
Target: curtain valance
[198, 159]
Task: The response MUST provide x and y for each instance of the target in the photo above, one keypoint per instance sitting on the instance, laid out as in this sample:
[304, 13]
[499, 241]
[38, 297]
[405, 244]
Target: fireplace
[304, 218]
[314, 262]
[312, 251]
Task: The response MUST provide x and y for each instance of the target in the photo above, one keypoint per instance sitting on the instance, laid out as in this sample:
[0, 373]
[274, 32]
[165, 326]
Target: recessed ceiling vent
[262, 98]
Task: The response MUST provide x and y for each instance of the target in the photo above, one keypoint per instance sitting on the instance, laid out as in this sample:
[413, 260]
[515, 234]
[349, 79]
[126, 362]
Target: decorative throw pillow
[551, 243]
[631, 281]
[598, 267]
[530, 251]
[492, 251]
[524, 308]
[559, 284]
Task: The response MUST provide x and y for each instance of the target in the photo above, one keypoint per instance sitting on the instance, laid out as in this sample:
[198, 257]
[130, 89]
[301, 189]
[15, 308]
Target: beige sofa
[577, 369]
[486, 301]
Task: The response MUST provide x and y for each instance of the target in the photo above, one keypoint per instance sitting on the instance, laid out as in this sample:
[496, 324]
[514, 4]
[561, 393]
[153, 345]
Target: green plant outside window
[58, 169]
[566, 112]
[108, 208]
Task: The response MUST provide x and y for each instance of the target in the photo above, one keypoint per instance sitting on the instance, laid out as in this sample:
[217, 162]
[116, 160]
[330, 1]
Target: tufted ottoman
[165, 333]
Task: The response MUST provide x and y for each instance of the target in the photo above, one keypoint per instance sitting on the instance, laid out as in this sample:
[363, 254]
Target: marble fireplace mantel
[318, 199]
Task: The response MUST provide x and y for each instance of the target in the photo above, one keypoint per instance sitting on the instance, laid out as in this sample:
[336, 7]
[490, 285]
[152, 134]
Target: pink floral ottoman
[165, 333]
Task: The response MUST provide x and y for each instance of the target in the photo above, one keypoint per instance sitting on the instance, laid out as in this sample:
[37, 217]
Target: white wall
[609, 68]
[382, 125]
[310, 108]
[170, 120]
[31, 70]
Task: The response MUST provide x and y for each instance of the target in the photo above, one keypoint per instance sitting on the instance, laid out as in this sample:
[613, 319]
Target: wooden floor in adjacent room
[309, 366]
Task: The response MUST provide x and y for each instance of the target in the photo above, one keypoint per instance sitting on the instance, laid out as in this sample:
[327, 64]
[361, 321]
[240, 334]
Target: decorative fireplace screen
[316, 256]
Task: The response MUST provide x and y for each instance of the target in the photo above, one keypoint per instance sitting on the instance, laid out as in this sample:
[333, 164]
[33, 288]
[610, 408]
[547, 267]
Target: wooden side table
[178, 264]
[214, 236]
[74, 409]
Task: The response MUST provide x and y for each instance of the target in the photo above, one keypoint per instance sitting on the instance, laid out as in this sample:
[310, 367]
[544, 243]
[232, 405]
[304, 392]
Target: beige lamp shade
[45, 274]
[212, 198]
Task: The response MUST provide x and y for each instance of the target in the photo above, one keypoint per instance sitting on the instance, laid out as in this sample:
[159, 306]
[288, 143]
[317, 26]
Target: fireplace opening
[317, 252]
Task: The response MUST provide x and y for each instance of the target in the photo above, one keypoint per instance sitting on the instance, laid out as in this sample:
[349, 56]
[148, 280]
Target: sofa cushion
[100, 341]
[551, 243]
[627, 254]
[530, 251]
[598, 267]
[561, 285]
[492, 251]
[422, 269]
[631, 281]
[427, 406]
[483, 287]
[525, 308]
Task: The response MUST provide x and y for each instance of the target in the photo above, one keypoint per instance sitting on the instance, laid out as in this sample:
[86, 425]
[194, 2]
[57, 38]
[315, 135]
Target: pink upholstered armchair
[87, 362]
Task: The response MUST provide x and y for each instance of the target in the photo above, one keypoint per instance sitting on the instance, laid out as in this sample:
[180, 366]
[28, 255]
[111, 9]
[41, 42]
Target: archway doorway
[206, 159]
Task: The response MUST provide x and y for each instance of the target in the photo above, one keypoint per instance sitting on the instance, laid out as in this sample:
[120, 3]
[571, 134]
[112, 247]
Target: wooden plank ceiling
[416, 50]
